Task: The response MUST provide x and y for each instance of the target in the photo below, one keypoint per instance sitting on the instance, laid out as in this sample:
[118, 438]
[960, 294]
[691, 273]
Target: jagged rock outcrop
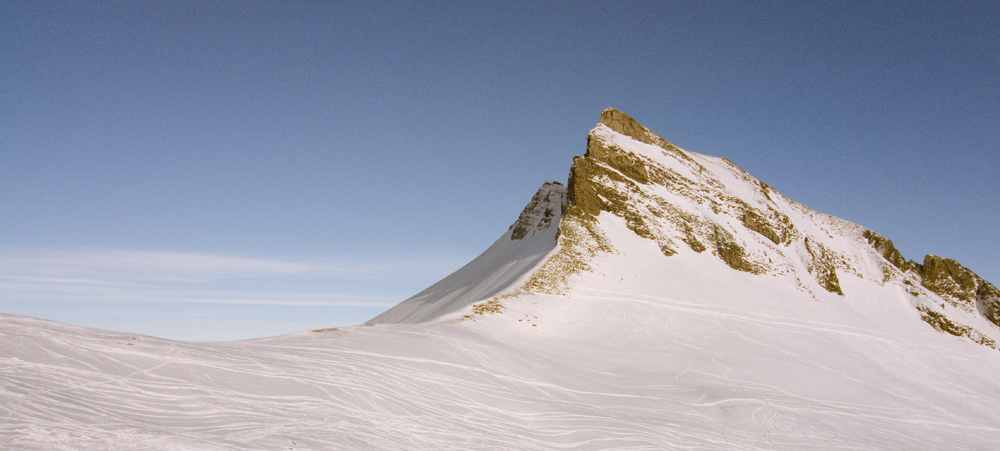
[944, 277]
[960, 286]
[610, 179]
[628, 126]
[887, 250]
[683, 200]
[690, 205]
[989, 302]
[546, 207]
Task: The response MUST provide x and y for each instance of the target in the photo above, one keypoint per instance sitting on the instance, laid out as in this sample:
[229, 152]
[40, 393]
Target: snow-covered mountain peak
[626, 125]
[694, 209]
[694, 206]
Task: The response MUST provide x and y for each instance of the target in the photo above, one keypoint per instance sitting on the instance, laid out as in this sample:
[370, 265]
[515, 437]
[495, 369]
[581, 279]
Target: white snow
[505, 264]
[645, 352]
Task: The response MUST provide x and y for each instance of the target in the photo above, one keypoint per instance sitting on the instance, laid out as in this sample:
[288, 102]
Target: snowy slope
[686, 202]
[527, 243]
[696, 207]
[674, 302]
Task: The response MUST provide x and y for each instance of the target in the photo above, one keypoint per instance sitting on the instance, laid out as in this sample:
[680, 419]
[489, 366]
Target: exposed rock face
[690, 205]
[823, 267]
[950, 280]
[989, 302]
[684, 200]
[887, 250]
[759, 224]
[547, 205]
[626, 125]
[946, 278]
[730, 251]
[941, 323]
[625, 184]
[960, 286]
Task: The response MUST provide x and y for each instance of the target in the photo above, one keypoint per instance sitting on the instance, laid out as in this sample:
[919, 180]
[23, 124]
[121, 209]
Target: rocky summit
[691, 203]
[659, 299]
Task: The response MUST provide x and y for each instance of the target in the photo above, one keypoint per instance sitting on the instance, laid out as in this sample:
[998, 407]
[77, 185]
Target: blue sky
[228, 170]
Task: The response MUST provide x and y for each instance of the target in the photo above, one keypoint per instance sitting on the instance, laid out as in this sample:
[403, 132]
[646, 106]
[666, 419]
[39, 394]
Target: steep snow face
[527, 243]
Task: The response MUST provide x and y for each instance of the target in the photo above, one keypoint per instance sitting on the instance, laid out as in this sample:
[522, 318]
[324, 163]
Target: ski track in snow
[443, 387]
[646, 373]
[646, 352]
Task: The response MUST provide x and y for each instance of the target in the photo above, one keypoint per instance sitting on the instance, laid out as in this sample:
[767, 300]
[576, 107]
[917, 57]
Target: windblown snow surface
[634, 350]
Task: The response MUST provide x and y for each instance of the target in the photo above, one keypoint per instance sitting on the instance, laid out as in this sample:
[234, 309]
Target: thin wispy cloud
[103, 275]
[42, 291]
[103, 264]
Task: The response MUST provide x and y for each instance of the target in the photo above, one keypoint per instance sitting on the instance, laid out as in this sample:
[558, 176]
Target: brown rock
[759, 224]
[626, 125]
[887, 250]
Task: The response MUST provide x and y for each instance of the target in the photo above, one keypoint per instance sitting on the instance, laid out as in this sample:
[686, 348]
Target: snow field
[645, 352]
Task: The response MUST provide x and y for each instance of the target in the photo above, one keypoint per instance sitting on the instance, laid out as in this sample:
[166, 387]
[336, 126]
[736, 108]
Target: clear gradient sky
[216, 170]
